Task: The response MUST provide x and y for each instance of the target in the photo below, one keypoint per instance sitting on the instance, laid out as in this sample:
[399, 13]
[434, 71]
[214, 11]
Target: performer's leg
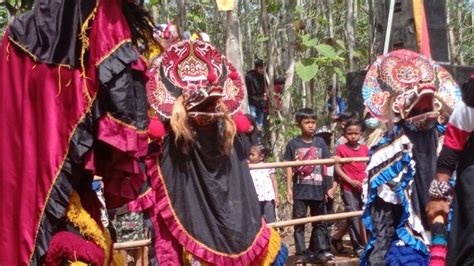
[299, 211]
[352, 202]
[319, 233]
[385, 217]
[461, 237]
[269, 211]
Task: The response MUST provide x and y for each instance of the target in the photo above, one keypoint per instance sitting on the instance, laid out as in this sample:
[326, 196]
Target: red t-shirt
[354, 170]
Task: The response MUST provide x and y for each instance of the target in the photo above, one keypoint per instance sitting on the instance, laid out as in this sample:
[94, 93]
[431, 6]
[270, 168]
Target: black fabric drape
[424, 154]
[212, 193]
[461, 237]
[50, 30]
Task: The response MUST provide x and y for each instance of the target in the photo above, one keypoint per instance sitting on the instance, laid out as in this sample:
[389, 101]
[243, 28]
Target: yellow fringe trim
[84, 38]
[22, 48]
[88, 227]
[189, 259]
[59, 81]
[112, 51]
[274, 245]
[8, 51]
[126, 125]
[117, 259]
[78, 263]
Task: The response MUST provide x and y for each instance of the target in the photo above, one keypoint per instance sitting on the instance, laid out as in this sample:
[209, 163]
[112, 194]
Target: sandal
[337, 245]
[329, 256]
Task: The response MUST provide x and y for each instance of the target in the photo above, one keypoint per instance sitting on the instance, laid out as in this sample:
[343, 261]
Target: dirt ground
[284, 213]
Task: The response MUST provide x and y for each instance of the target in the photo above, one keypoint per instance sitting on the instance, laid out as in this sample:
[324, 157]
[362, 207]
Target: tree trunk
[249, 49]
[270, 71]
[331, 35]
[233, 47]
[350, 32]
[371, 28]
[181, 16]
[452, 40]
[460, 31]
[164, 8]
[290, 70]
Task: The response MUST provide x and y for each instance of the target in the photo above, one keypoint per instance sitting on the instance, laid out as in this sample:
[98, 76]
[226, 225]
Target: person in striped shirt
[457, 155]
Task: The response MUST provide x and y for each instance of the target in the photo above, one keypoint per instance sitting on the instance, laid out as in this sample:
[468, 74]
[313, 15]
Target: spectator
[340, 104]
[352, 175]
[256, 90]
[265, 184]
[306, 188]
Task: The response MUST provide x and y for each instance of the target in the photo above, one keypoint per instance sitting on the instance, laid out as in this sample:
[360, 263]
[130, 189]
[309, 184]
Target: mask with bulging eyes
[405, 86]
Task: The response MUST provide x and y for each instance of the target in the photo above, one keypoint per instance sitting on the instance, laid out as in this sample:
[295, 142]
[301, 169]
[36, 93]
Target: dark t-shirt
[255, 84]
[310, 187]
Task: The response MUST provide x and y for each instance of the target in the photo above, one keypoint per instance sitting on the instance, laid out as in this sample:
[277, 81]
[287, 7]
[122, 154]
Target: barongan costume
[405, 89]
[73, 106]
[205, 206]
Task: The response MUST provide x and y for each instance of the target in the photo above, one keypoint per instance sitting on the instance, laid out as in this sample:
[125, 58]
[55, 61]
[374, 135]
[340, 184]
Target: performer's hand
[289, 196]
[356, 184]
[277, 201]
[437, 207]
[336, 158]
[330, 193]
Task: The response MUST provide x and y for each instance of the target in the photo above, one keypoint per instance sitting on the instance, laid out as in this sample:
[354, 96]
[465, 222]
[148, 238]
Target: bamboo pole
[132, 244]
[319, 218]
[307, 162]
[312, 219]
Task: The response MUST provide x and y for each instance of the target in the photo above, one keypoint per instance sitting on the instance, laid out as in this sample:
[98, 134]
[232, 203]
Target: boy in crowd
[351, 176]
[306, 188]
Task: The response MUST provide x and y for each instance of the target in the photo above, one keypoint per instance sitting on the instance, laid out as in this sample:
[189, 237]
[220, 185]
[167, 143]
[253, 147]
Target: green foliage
[3, 20]
[326, 51]
[306, 69]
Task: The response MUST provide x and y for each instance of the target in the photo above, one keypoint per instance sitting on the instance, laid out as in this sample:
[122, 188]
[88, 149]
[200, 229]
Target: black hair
[258, 62]
[467, 90]
[259, 148]
[279, 81]
[304, 113]
[352, 122]
[343, 117]
[140, 23]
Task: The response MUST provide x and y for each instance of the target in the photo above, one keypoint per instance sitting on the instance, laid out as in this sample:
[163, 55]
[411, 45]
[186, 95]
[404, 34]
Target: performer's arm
[289, 185]
[460, 126]
[340, 172]
[289, 156]
[275, 188]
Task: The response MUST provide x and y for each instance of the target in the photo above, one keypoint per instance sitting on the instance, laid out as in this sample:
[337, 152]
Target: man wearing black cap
[255, 82]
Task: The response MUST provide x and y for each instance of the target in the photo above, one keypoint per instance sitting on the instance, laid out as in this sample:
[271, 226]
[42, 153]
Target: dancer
[408, 92]
[66, 69]
[206, 206]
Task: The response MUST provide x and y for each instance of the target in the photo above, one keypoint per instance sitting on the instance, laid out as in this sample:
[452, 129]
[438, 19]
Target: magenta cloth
[36, 122]
[123, 177]
[355, 170]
